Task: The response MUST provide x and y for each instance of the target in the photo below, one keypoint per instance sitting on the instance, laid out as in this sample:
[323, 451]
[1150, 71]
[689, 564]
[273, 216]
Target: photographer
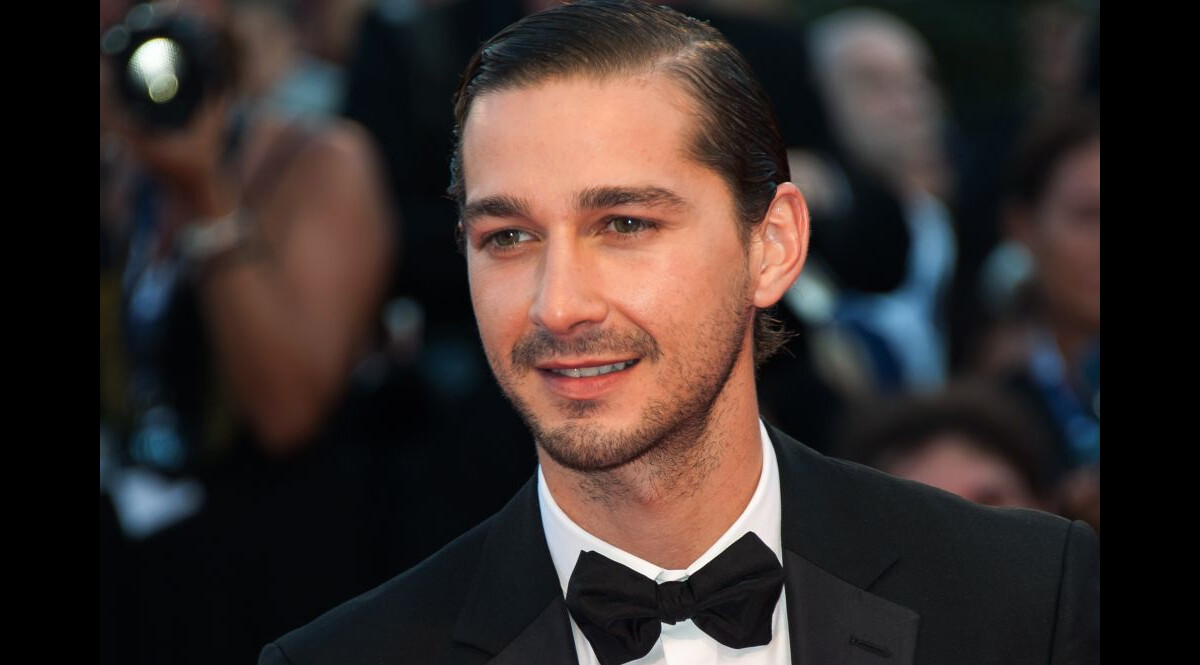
[246, 257]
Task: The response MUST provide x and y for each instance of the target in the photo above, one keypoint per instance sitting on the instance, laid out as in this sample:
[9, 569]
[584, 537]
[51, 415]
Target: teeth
[580, 372]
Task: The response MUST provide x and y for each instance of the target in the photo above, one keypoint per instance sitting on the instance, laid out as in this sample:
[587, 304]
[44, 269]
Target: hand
[186, 160]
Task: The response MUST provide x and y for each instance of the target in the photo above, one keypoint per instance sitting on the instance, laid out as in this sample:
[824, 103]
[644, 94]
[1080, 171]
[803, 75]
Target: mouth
[582, 372]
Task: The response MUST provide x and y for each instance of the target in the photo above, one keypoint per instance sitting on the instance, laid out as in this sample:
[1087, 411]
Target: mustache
[540, 346]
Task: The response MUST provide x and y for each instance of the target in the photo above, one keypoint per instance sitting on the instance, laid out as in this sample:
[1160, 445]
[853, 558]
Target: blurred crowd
[294, 405]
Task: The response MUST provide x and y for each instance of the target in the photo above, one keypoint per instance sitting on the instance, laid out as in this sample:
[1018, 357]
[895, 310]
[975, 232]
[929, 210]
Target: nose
[569, 290]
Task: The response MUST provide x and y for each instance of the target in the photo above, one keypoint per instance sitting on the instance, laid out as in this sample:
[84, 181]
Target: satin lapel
[832, 622]
[834, 551]
[515, 609]
[547, 640]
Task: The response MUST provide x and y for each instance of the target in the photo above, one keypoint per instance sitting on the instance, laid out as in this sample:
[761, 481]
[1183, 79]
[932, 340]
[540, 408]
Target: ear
[781, 245]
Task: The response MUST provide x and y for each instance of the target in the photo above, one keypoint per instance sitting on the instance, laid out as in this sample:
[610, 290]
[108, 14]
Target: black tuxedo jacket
[879, 571]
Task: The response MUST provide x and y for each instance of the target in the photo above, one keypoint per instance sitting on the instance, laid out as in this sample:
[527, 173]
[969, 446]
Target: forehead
[874, 49]
[568, 134]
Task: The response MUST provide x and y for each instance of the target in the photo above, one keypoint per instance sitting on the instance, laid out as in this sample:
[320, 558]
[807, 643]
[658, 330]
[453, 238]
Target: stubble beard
[670, 441]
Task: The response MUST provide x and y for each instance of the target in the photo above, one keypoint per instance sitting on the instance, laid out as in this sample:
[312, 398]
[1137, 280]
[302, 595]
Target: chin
[587, 441]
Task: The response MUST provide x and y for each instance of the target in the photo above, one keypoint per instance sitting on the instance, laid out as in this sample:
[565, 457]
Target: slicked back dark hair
[736, 134]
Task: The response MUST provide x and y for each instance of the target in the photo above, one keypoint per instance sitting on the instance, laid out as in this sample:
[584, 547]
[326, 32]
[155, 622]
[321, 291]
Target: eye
[506, 238]
[628, 225]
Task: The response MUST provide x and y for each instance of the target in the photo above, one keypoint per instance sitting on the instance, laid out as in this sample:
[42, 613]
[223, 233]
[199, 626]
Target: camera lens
[165, 65]
[156, 67]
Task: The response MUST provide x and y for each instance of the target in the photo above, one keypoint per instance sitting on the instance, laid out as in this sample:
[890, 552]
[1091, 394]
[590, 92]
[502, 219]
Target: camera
[166, 62]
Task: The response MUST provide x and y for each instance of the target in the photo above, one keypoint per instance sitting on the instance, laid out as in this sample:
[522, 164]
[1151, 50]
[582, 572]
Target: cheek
[663, 290]
[1069, 251]
[646, 286]
[501, 305]
[1084, 244]
[706, 290]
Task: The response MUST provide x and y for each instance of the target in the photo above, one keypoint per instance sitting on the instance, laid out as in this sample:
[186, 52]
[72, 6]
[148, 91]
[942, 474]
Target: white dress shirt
[682, 643]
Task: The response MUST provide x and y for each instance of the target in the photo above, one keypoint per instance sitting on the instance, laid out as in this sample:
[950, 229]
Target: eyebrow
[501, 206]
[595, 198]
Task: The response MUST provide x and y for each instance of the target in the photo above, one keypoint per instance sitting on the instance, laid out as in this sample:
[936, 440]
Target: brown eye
[628, 224]
[508, 238]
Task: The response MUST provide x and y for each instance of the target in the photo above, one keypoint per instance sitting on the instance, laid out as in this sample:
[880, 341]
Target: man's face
[884, 102]
[611, 288]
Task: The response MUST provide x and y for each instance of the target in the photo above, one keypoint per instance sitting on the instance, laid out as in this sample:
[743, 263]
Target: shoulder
[924, 523]
[909, 515]
[313, 149]
[1017, 582]
[412, 613]
[1011, 581]
[914, 505]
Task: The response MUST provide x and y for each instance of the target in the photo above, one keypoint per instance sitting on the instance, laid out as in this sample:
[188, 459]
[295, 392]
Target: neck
[669, 506]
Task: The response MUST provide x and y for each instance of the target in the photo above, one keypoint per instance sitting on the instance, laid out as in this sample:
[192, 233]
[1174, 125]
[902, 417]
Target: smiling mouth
[584, 372]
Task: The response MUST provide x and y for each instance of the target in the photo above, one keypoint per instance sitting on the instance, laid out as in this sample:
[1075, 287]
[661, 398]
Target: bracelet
[200, 244]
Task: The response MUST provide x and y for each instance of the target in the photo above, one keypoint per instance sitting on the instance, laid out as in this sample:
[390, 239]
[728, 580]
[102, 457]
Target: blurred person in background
[875, 75]
[244, 257]
[973, 440]
[1046, 347]
[1057, 58]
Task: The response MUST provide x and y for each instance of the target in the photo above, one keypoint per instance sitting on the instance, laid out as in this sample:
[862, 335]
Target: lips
[595, 370]
[586, 380]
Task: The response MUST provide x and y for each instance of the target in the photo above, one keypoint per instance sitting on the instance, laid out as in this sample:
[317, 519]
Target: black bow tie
[620, 611]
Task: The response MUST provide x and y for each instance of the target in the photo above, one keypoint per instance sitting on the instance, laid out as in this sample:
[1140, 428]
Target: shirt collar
[762, 515]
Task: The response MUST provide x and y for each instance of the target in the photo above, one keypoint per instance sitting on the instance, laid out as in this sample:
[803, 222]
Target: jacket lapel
[832, 621]
[515, 610]
[547, 640]
[830, 564]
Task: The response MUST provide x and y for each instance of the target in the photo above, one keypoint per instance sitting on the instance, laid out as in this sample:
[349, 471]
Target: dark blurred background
[294, 406]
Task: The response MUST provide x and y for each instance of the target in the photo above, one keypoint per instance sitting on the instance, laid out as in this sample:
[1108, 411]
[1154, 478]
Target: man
[625, 217]
[875, 75]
